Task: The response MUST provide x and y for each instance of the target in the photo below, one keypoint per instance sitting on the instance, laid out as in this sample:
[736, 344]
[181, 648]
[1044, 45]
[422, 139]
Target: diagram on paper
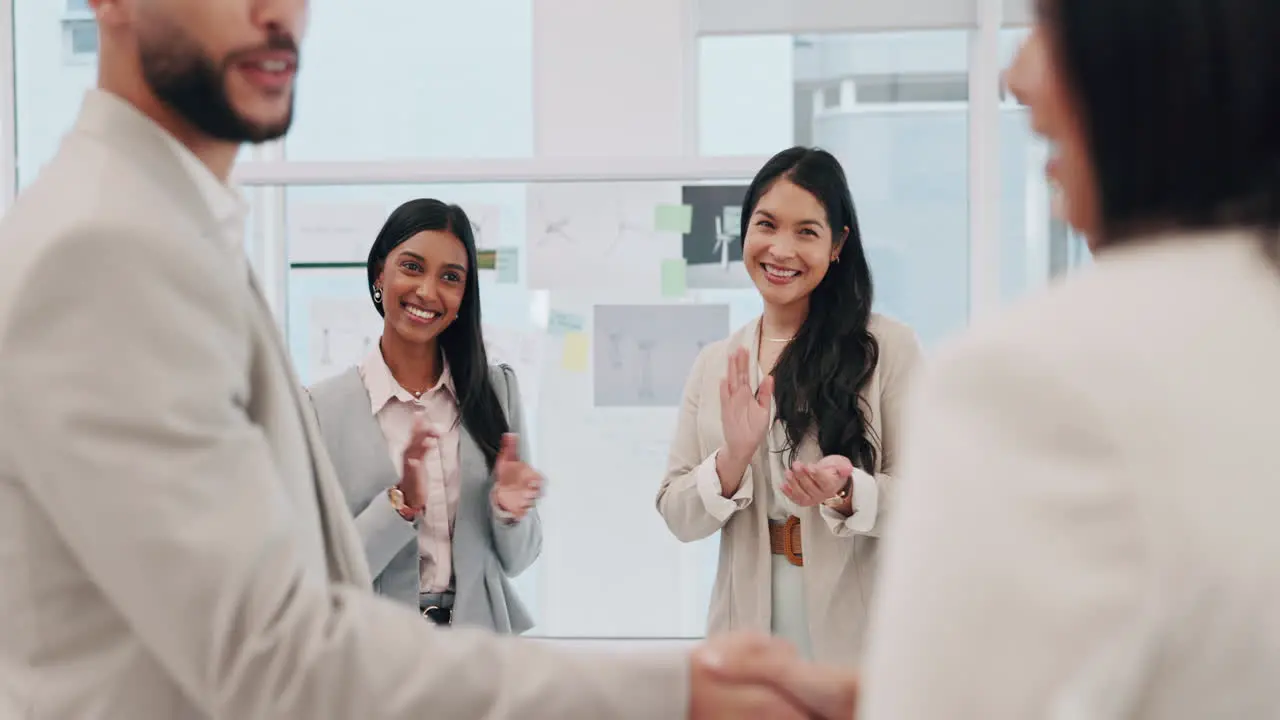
[486, 224]
[597, 235]
[643, 353]
[713, 246]
[343, 331]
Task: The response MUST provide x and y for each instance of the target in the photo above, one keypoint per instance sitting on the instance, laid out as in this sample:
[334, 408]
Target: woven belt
[784, 539]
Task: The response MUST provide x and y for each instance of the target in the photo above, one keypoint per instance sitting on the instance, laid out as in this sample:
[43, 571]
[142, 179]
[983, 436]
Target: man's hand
[756, 676]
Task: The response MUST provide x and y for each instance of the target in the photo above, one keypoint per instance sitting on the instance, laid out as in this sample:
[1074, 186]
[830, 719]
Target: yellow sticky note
[577, 348]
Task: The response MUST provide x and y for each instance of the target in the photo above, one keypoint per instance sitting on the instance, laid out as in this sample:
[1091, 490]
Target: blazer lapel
[343, 547]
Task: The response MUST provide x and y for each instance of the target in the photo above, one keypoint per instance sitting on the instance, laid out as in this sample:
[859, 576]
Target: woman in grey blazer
[426, 435]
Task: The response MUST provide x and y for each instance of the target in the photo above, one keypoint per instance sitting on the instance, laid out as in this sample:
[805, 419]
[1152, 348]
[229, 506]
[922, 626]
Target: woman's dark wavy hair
[820, 375]
[462, 342]
[1180, 101]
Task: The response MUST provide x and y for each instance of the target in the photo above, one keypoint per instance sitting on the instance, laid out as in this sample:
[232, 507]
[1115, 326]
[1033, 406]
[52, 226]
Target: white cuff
[707, 481]
[505, 517]
[866, 506]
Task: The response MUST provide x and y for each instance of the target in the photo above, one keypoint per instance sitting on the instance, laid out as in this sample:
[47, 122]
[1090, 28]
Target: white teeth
[274, 65]
[780, 272]
[422, 314]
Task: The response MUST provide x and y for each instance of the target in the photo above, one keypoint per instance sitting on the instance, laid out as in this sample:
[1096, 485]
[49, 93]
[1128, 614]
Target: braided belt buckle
[791, 541]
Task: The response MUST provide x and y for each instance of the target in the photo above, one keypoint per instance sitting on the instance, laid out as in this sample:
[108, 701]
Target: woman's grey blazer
[486, 551]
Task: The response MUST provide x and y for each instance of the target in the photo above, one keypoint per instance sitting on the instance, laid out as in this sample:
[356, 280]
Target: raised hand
[809, 484]
[413, 483]
[516, 486]
[744, 415]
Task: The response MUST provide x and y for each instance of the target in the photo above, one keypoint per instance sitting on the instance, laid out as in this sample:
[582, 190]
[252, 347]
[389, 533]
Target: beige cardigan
[839, 564]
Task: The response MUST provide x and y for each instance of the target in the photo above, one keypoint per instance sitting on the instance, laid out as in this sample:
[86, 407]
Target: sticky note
[673, 218]
[673, 277]
[577, 348]
[563, 323]
[508, 265]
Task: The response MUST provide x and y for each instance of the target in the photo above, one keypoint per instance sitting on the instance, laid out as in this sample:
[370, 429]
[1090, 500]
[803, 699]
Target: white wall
[609, 77]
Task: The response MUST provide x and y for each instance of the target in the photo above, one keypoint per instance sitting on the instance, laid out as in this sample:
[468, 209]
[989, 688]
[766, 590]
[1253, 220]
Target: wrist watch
[397, 502]
[838, 499]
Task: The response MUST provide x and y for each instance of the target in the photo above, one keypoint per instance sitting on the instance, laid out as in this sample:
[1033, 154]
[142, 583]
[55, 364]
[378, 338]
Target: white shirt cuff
[866, 506]
[712, 494]
[506, 517]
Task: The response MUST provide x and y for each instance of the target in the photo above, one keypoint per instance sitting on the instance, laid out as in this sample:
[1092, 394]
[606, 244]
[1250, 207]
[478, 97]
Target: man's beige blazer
[173, 543]
[839, 569]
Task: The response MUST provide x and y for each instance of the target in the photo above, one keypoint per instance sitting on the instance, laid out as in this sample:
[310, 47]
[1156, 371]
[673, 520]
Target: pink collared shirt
[395, 409]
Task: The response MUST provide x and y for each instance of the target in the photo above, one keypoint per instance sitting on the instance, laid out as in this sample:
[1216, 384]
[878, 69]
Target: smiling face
[423, 282]
[1036, 79]
[789, 244]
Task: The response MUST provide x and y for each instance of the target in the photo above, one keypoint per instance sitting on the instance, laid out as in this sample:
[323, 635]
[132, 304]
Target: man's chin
[264, 133]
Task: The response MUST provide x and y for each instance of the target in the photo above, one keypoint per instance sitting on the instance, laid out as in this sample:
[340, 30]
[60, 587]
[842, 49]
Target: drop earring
[377, 294]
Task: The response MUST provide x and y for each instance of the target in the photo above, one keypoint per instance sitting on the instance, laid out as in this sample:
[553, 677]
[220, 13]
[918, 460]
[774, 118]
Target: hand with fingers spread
[413, 482]
[809, 484]
[517, 486]
[739, 675]
[744, 418]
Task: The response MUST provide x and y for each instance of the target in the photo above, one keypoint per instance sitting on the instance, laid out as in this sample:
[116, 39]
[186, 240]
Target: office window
[893, 108]
[80, 38]
[402, 79]
[1035, 245]
[78, 7]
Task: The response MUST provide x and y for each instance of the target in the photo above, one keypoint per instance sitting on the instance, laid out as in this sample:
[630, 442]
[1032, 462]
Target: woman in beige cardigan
[788, 431]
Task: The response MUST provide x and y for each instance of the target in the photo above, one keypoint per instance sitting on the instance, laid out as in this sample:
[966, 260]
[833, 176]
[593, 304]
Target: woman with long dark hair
[787, 437]
[425, 434]
[1087, 523]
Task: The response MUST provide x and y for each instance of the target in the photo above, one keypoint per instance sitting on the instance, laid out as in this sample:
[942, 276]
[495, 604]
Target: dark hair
[1180, 101]
[462, 342]
[820, 375]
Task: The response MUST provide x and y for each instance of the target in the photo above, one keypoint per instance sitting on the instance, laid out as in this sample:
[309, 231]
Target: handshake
[752, 676]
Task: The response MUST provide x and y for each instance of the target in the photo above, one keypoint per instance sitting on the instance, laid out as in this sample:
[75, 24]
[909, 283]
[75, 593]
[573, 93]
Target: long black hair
[462, 342]
[820, 375]
[1180, 101]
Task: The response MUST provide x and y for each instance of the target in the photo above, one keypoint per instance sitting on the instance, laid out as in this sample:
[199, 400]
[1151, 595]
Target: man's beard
[194, 86]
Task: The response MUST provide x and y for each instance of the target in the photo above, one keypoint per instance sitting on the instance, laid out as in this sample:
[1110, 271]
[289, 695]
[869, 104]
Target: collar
[383, 387]
[226, 204]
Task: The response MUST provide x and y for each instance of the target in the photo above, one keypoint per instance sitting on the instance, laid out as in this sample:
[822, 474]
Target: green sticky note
[673, 277]
[563, 323]
[508, 265]
[673, 218]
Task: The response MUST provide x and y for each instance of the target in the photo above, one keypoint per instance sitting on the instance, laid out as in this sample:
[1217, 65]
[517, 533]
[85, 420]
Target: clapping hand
[422, 439]
[744, 415]
[516, 485]
[809, 484]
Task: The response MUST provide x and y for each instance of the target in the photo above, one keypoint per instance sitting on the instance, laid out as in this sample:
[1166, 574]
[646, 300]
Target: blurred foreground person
[1086, 518]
